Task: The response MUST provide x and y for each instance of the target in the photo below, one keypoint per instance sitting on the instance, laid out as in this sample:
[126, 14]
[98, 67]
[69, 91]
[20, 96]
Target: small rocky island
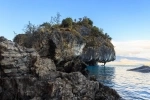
[49, 62]
[143, 69]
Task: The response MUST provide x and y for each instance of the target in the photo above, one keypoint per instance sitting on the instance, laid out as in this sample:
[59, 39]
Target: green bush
[67, 22]
[46, 25]
[87, 21]
[20, 39]
[107, 36]
[95, 31]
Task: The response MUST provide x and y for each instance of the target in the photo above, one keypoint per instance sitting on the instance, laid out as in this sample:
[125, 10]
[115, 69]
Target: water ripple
[130, 85]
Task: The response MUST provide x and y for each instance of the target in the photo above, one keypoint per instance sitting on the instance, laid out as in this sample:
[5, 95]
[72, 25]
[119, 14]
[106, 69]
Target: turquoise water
[130, 85]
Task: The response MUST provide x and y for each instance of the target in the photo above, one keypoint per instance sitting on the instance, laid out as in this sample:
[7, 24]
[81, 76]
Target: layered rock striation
[27, 75]
[65, 47]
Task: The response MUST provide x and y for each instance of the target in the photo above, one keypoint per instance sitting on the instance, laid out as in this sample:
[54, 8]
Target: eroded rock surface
[70, 51]
[57, 86]
[24, 75]
[17, 60]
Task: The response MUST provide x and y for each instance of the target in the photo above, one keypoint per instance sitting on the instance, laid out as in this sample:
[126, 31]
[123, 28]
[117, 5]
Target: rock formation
[143, 69]
[27, 75]
[49, 62]
[64, 47]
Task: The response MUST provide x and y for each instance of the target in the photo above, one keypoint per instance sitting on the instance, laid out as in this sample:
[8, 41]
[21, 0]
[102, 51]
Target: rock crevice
[25, 75]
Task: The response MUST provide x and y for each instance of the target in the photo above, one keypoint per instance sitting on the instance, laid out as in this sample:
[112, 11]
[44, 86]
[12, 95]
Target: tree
[46, 25]
[90, 22]
[30, 28]
[107, 36]
[55, 20]
[80, 19]
[87, 21]
[75, 20]
[95, 31]
[67, 22]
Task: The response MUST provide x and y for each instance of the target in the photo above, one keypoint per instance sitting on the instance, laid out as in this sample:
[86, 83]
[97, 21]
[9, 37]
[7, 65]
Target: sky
[126, 21]
[132, 52]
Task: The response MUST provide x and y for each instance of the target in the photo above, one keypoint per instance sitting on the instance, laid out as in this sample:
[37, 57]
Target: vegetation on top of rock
[68, 36]
[46, 52]
[84, 24]
[67, 22]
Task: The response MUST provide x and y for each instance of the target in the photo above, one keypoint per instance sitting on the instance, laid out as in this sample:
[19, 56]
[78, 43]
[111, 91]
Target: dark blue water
[130, 85]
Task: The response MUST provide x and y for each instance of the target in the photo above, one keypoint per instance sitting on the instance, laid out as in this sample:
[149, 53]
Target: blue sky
[121, 19]
[126, 21]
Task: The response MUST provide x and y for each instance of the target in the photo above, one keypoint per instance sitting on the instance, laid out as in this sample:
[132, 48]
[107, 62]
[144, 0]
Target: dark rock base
[55, 86]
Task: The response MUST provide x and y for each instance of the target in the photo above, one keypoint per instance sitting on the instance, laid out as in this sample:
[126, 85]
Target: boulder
[16, 60]
[58, 86]
[43, 66]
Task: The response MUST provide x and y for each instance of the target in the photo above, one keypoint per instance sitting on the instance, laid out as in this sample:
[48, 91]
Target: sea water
[130, 85]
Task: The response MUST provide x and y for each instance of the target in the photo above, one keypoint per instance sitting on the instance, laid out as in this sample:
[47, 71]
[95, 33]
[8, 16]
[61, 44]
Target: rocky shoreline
[25, 75]
[142, 69]
[48, 62]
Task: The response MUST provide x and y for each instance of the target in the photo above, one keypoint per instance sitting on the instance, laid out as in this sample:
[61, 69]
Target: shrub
[67, 22]
[20, 39]
[46, 25]
[87, 21]
[95, 31]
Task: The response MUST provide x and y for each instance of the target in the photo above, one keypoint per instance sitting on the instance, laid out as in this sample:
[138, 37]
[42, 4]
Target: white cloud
[138, 48]
[129, 62]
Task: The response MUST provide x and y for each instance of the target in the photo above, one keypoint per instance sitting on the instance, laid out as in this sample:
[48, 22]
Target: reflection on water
[130, 85]
[103, 74]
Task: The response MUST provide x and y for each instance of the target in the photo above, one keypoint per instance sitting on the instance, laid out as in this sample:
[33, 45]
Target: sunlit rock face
[98, 54]
[25, 75]
[99, 51]
[78, 49]
[65, 45]
[68, 45]
[66, 48]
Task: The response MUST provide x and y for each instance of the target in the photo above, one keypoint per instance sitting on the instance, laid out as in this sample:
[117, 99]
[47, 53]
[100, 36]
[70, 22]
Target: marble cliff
[50, 64]
[25, 75]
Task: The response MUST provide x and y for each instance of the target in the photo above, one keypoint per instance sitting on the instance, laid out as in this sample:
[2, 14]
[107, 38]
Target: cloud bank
[132, 52]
